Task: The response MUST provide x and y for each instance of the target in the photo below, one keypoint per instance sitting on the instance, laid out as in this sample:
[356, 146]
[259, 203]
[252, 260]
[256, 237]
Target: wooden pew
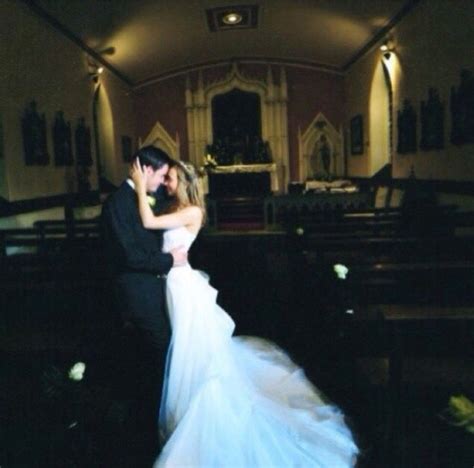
[378, 222]
[419, 331]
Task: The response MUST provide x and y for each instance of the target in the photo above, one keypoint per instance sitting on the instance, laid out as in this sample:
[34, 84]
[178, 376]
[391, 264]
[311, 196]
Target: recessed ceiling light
[232, 18]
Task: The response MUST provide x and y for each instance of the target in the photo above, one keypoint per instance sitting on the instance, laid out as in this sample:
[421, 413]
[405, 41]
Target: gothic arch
[320, 127]
[273, 108]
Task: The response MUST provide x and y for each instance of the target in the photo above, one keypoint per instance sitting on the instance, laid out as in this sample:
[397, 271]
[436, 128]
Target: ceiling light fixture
[95, 71]
[232, 18]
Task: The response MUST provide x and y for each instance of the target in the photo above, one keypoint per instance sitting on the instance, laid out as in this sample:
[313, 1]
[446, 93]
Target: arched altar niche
[236, 129]
[273, 114]
[320, 151]
[236, 110]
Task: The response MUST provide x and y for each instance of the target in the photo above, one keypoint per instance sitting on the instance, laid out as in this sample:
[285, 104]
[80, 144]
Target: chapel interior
[335, 144]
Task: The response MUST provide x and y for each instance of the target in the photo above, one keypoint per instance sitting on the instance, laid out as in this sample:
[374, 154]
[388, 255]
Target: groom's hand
[180, 256]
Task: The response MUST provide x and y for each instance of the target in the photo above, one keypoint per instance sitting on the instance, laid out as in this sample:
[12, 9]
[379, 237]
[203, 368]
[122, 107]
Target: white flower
[151, 200]
[299, 231]
[341, 270]
[77, 371]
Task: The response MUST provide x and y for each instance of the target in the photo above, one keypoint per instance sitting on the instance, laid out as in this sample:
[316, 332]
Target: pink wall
[309, 92]
[164, 102]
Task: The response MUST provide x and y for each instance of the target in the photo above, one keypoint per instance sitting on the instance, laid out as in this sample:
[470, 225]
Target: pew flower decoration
[76, 372]
[341, 271]
[460, 412]
[299, 231]
[151, 200]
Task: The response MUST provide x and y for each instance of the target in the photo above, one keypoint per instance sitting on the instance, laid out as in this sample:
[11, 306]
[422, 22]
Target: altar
[242, 180]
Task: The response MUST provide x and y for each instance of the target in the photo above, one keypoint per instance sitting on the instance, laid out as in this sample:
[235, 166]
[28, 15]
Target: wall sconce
[95, 71]
[386, 49]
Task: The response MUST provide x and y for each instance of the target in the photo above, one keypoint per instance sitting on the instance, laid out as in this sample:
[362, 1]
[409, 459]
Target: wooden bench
[429, 326]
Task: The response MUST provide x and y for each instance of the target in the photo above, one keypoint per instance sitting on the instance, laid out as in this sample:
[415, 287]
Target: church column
[269, 104]
[301, 156]
[190, 120]
[284, 129]
[201, 123]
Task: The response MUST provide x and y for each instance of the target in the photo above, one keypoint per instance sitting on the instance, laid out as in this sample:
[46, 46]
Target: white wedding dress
[237, 402]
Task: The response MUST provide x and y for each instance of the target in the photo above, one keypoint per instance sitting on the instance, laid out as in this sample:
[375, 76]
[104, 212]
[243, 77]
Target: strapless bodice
[176, 237]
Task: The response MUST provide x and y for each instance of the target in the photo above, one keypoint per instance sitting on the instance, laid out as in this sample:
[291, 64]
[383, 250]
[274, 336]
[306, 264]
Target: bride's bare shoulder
[194, 211]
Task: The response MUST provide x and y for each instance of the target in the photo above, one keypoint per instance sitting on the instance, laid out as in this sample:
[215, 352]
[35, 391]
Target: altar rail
[276, 208]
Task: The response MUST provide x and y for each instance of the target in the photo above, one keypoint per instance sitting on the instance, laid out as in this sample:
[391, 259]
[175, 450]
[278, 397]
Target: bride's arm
[184, 217]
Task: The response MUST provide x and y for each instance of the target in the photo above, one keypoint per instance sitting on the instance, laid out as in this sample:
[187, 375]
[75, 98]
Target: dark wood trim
[42, 203]
[382, 33]
[44, 15]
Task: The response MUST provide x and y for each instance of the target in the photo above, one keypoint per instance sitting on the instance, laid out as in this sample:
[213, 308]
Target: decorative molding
[273, 108]
[320, 136]
[268, 61]
[160, 138]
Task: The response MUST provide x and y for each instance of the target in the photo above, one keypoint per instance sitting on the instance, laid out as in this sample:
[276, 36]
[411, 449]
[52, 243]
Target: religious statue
[33, 128]
[432, 122]
[62, 141]
[406, 122]
[320, 159]
[462, 110]
[83, 155]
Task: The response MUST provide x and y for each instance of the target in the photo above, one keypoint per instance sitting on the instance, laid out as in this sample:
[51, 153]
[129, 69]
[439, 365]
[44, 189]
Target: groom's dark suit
[138, 267]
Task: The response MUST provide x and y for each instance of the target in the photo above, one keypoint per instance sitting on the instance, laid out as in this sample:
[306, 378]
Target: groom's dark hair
[152, 156]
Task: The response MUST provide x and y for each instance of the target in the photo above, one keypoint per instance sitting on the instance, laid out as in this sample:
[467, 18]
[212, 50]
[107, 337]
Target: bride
[230, 401]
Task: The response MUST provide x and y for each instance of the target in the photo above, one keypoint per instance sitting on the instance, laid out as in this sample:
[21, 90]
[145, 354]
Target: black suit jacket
[134, 256]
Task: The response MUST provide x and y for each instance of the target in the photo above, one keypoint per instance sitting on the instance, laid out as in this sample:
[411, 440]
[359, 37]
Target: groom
[139, 269]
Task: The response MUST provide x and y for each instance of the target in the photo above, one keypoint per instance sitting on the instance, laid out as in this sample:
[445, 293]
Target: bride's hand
[138, 176]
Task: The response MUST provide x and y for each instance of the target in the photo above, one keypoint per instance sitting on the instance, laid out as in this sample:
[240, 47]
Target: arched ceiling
[155, 38]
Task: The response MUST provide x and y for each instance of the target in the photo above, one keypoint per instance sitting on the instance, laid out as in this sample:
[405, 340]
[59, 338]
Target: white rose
[77, 371]
[299, 231]
[151, 200]
[341, 271]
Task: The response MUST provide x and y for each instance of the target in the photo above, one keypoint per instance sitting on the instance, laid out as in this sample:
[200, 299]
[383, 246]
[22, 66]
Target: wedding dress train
[237, 402]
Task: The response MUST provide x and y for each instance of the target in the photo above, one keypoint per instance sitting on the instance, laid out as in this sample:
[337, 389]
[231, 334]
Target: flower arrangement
[209, 162]
[460, 412]
[341, 271]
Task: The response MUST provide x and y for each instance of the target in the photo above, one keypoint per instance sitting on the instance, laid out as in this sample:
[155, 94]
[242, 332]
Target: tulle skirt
[238, 401]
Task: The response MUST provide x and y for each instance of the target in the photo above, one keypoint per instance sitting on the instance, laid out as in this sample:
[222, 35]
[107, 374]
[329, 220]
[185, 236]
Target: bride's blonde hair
[189, 191]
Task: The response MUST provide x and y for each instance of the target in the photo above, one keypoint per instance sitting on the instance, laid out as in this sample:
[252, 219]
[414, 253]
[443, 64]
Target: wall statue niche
[62, 140]
[33, 127]
[320, 160]
[462, 110]
[83, 143]
[406, 122]
[320, 148]
[432, 122]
